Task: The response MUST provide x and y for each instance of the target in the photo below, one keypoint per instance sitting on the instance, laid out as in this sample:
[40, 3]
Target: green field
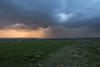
[89, 40]
[48, 53]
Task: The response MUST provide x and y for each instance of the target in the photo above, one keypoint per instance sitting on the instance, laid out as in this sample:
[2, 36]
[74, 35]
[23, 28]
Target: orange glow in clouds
[10, 33]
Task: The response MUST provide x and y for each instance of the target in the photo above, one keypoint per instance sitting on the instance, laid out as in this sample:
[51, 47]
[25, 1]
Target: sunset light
[10, 33]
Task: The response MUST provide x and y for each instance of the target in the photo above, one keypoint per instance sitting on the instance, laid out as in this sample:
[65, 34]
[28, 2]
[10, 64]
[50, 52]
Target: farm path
[87, 43]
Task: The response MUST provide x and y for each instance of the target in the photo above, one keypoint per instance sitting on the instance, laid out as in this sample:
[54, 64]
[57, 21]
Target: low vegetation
[49, 53]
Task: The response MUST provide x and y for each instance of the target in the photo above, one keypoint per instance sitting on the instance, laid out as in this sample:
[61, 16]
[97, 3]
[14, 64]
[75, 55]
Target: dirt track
[87, 43]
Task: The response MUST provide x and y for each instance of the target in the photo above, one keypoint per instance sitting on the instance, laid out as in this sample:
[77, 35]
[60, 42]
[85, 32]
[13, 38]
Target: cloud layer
[63, 17]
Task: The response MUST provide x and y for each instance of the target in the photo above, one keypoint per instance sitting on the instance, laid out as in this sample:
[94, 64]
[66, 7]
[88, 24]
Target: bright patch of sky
[62, 17]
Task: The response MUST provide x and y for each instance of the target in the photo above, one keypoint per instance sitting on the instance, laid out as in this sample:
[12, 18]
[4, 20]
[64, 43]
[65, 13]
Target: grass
[89, 40]
[27, 53]
[48, 53]
[75, 56]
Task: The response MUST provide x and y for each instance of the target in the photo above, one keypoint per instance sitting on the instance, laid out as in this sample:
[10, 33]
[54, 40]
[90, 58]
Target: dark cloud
[35, 14]
[63, 32]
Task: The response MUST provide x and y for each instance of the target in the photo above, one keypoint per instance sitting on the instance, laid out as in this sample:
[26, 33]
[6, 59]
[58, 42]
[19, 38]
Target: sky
[49, 18]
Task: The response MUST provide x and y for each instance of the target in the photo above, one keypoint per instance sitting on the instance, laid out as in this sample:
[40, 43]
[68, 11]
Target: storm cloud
[64, 18]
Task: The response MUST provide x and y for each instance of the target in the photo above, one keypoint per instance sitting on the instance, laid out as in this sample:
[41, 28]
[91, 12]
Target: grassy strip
[89, 40]
[75, 56]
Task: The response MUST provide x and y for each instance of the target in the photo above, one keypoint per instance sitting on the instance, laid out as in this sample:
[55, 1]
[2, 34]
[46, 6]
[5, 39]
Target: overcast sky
[56, 18]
